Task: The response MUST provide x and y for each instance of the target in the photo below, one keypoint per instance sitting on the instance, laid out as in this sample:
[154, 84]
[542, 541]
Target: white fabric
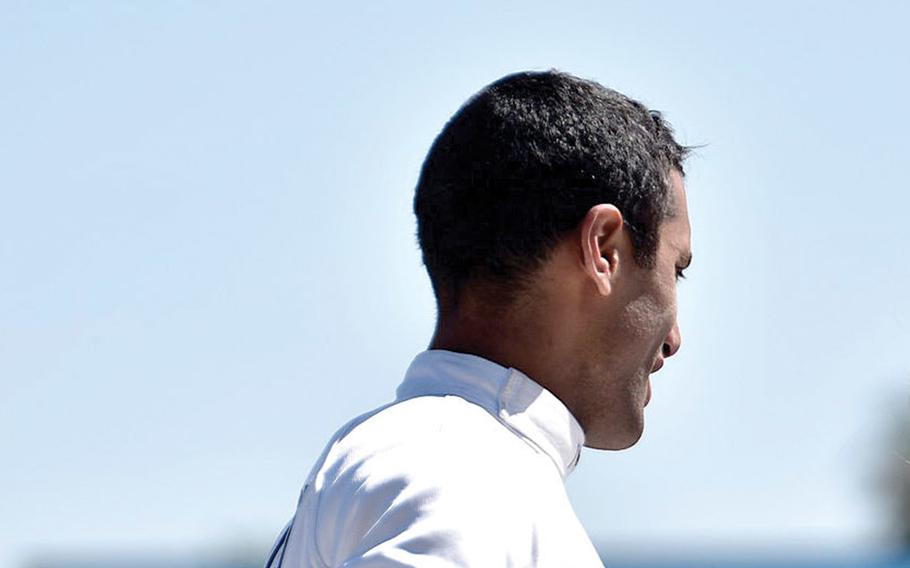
[465, 468]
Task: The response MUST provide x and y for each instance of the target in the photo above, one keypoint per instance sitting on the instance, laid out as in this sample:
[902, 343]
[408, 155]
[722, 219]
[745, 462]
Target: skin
[593, 325]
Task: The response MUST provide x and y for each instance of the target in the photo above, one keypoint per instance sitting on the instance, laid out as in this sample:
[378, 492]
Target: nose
[672, 342]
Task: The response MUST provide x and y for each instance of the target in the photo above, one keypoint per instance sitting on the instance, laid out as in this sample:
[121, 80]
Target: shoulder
[437, 472]
[433, 439]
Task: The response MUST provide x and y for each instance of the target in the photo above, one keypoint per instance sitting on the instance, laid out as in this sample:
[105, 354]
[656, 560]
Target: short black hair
[521, 163]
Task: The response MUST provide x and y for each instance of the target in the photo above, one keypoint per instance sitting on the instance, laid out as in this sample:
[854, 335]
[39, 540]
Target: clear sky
[208, 262]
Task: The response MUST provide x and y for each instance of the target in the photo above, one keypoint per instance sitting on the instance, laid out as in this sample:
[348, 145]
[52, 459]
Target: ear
[601, 241]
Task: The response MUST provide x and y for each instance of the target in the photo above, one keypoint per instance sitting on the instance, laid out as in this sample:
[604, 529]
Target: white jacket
[465, 468]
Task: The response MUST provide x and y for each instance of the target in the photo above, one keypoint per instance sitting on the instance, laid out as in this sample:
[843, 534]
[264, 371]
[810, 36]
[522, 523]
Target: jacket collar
[528, 409]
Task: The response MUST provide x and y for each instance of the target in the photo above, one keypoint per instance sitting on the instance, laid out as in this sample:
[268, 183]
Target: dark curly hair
[521, 163]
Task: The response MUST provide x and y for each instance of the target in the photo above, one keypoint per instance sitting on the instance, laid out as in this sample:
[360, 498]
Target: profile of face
[630, 328]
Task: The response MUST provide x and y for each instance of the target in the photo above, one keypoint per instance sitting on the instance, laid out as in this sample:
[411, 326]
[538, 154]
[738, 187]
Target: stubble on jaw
[610, 408]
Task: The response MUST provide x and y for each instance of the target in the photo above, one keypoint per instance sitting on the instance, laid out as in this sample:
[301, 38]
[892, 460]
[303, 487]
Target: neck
[519, 337]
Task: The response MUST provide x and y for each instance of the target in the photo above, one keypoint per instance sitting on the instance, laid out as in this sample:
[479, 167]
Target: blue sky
[208, 262]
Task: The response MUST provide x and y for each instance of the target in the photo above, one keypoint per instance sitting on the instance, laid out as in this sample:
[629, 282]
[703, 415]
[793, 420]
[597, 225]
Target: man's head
[557, 207]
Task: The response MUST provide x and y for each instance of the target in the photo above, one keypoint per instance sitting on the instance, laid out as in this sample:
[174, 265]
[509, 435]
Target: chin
[616, 440]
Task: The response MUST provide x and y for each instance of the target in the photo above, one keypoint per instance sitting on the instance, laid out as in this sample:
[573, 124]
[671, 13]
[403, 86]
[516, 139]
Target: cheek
[656, 317]
[672, 305]
[645, 318]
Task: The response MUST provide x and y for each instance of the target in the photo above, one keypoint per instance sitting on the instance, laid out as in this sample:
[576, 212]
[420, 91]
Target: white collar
[524, 406]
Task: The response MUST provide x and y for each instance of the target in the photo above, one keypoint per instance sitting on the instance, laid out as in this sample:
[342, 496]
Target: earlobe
[604, 274]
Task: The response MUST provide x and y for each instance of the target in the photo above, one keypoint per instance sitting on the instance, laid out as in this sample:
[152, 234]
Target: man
[552, 219]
